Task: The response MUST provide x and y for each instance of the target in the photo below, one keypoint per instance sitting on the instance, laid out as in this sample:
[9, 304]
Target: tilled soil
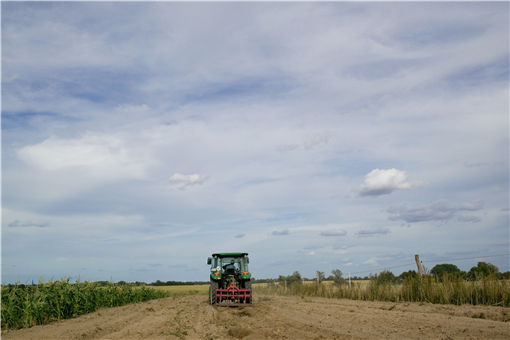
[276, 317]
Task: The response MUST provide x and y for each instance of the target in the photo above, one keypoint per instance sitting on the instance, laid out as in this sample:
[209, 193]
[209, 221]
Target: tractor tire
[212, 292]
[247, 285]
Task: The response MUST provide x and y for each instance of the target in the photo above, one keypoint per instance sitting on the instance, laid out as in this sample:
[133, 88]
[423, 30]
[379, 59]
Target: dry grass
[183, 290]
[488, 291]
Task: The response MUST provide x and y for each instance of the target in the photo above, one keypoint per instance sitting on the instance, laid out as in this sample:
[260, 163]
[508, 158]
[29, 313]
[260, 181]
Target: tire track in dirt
[276, 317]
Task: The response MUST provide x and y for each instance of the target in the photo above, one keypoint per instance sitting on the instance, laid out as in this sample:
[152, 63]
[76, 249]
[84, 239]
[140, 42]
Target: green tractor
[230, 279]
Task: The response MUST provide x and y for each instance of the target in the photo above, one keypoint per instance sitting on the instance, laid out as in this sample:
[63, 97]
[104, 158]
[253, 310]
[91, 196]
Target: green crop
[29, 305]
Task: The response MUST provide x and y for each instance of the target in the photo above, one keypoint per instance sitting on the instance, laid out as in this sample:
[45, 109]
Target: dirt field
[274, 317]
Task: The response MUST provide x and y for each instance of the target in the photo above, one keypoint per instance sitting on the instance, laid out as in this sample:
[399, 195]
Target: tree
[385, 277]
[337, 276]
[440, 269]
[482, 270]
[505, 276]
[410, 274]
[294, 278]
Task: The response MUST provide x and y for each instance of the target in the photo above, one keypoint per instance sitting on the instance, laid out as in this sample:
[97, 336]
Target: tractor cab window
[233, 264]
[229, 263]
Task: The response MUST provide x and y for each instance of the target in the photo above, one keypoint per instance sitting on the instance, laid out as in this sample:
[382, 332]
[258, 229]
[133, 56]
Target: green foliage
[336, 276]
[384, 277]
[440, 269]
[406, 275]
[482, 270]
[26, 306]
[295, 278]
[505, 276]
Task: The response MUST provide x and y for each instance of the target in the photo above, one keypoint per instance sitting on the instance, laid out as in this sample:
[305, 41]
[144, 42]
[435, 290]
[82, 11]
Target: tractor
[230, 279]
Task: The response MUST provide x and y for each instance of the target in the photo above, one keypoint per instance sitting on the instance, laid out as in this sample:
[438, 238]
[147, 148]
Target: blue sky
[138, 138]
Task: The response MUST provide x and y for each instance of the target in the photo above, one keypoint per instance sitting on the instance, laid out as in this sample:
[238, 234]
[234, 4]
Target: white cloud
[98, 156]
[384, 181]
[183, 181]
[371, 261]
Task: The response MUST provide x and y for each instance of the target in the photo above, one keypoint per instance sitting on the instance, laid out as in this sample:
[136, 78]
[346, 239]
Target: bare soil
[277, 317]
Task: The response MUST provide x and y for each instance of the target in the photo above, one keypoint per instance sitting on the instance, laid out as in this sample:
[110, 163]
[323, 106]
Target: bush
[482, 270]
[384, 277]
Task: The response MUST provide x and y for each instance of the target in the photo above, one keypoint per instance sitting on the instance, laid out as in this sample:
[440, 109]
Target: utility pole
[418, 264]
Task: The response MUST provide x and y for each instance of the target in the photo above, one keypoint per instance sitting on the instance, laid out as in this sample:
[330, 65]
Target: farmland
[366, 309]
[278, 317]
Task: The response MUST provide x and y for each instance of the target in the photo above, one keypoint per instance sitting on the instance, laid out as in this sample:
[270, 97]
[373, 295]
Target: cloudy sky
[138, 138]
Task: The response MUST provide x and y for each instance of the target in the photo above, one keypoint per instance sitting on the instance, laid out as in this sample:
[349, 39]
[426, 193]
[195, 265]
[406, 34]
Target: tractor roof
[229, 254]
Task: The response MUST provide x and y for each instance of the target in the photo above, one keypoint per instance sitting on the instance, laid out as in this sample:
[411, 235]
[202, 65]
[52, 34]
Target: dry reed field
[445, 290]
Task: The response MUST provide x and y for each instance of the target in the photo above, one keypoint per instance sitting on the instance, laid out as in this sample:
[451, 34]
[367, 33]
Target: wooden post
[418, 264]
[318, 281]
[349, 280]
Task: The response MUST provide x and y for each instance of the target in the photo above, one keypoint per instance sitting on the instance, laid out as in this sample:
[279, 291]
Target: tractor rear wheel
[247, 285]
[212, 292]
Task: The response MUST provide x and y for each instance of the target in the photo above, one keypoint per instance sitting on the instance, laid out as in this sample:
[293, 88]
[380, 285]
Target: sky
[139, 138]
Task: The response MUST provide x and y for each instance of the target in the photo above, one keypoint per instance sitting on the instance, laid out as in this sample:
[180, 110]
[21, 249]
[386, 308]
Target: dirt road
[274, 317]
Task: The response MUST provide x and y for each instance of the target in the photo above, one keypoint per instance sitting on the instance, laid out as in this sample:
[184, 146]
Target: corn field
[27, 305]
[488, 291]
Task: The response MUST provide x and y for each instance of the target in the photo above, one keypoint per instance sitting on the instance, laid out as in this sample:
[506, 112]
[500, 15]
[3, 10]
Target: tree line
[480, 271]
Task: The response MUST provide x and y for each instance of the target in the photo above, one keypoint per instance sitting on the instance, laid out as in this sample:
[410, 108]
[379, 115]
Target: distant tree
[385, 277]
[410, 274]
[482, 270]
[290, 279]
[505, 276]
[337, 276]
[295, 277]
[440, 269]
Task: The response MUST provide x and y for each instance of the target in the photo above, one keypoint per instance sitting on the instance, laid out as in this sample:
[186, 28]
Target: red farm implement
[233, 295]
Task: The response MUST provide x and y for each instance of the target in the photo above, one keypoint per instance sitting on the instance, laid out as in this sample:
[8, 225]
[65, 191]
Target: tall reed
[448, 290]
